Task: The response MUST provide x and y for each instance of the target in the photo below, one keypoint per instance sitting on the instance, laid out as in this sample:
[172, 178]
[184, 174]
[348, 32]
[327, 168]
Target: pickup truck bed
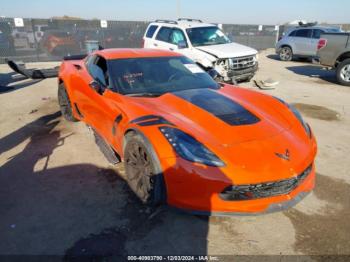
[337, 44]
[334, 51]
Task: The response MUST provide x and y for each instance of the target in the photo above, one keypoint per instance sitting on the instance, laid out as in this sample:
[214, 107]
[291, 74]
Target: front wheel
[142, 170]
[286, 53]
[343, 72]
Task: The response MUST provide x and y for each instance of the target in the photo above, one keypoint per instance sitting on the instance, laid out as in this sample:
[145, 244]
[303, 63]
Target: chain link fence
[51, 39]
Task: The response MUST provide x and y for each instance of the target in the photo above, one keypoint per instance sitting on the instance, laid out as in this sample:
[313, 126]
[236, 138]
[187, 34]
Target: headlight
[189, 148]
[298, 116]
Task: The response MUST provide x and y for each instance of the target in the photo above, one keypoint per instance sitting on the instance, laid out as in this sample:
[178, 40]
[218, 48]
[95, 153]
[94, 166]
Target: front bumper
[200, 193]
[241, 74]
[275, 207]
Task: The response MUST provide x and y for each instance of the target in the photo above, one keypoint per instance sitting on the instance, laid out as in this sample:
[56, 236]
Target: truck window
[316, 33]
[164, 34]
[292, 33]
[151, 31]
[203, 36]
[303, 33]
[177, 36]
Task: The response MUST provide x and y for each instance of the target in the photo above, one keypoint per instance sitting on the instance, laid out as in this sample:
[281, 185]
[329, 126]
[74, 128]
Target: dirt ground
[59, 196]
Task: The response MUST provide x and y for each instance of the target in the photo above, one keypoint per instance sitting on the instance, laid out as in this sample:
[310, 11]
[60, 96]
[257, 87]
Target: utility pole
[178, 5]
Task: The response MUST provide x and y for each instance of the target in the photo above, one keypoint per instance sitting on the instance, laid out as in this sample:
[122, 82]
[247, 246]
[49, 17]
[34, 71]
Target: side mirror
[181, 45]
[96, 86]
[213, 73]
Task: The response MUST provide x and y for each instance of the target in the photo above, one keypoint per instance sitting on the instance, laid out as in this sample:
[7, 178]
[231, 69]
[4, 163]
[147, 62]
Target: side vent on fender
[78, 111]
[116, 122]
[151, 120]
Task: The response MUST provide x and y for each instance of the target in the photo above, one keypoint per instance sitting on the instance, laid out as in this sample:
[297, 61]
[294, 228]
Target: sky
[215, 11]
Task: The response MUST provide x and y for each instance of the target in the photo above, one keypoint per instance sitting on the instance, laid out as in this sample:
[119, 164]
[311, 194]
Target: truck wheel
[65, 104]
[286, 53]
[142, 169]
[343, 72]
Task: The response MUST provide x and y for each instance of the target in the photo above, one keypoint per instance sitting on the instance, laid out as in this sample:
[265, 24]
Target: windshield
[201, 36]
[155, 76]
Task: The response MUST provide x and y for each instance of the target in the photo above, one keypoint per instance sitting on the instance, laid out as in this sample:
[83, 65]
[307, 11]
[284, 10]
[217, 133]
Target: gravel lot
[59, 196]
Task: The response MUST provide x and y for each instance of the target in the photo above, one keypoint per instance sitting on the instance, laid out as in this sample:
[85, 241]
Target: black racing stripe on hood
[220, 106]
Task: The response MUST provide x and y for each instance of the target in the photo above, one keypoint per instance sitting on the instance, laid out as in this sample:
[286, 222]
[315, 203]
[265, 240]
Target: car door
[302, 41]
[96, 109]
[148, 37]
[169, 38]
[179, 43]
[162, 39]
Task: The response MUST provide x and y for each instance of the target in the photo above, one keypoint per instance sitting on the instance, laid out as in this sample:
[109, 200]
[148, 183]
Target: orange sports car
[186, 140]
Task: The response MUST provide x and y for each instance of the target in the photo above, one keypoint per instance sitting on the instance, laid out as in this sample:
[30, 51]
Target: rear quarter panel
[68, 75]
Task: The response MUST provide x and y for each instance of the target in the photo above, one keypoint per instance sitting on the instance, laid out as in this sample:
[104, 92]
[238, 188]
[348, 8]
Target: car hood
[248, 143]
[228, 50]
[221, 117]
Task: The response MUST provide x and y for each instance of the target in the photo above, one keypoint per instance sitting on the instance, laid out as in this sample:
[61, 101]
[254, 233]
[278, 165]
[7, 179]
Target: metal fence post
[277, 33]
[35, 41]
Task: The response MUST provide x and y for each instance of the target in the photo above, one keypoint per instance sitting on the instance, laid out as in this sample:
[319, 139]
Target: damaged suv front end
[237, 69]
[233, 61]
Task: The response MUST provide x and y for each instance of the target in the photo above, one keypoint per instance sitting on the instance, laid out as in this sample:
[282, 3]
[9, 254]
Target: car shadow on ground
[273, 57]
[81, 209]
[13, 81]
[314, 72]
[295, 59]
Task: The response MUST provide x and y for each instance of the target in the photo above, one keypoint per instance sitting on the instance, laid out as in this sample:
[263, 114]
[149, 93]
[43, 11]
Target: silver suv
[301, 41]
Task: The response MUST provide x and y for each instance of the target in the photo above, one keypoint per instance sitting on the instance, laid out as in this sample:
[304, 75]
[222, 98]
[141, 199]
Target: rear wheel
[343, 72]
[142, 170]
[65, 104]
[286, 53]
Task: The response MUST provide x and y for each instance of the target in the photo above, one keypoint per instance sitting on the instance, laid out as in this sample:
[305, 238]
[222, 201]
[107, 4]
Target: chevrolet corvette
[187, 141]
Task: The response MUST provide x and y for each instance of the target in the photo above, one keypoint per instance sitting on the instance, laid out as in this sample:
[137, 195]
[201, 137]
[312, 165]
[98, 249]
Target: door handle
[155, 44]
[172, 49]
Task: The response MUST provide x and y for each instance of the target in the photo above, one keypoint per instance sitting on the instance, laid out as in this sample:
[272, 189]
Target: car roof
[313, 27]
[184, 24]
[115, 53]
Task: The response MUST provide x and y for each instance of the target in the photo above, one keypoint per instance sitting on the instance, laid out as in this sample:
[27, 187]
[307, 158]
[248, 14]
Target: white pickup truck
[205, 44]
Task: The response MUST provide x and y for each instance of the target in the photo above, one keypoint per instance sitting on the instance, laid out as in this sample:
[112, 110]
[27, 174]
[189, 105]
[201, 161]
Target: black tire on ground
[65, 104]
[286, 53]
[343, 72]
[143, 170]
[106, 149]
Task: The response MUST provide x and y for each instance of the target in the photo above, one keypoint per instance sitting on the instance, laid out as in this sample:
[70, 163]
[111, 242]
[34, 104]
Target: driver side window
[177, 36]
[97, 67]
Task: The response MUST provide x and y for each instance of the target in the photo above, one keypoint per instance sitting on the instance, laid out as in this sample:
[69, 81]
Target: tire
[343, 72]
[286, 53]
[143, 172]
[106, 149]
[65, 104]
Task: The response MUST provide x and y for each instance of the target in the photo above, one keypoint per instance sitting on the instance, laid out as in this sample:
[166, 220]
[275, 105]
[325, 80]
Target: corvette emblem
[284, 156]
